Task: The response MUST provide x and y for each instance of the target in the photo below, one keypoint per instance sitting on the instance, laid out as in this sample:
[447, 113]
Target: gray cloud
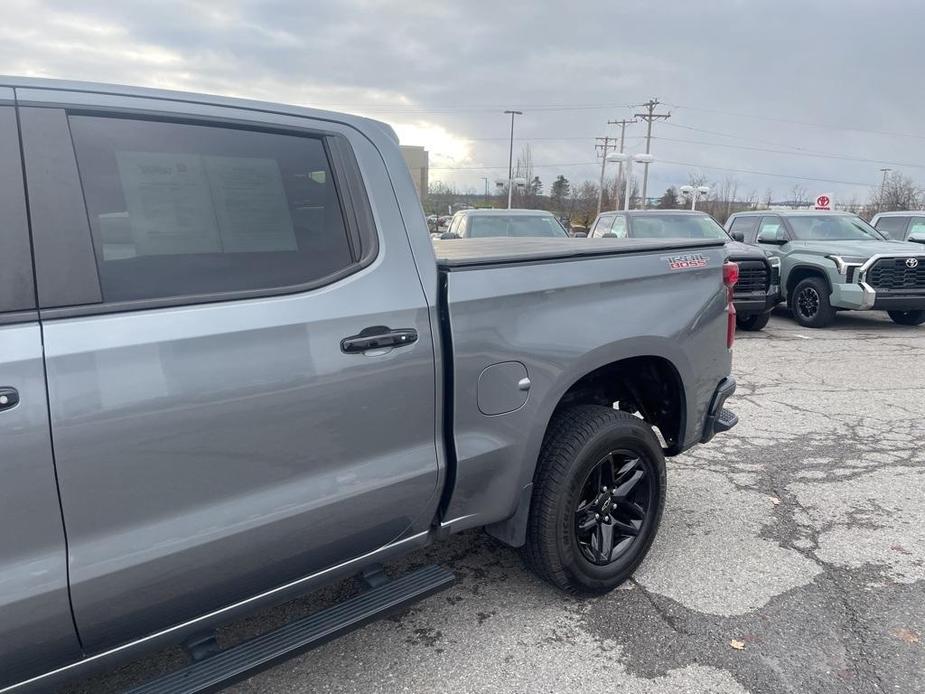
[444, 71]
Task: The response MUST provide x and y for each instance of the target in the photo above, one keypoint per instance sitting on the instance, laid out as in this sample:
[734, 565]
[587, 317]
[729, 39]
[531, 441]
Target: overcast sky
[841, 78]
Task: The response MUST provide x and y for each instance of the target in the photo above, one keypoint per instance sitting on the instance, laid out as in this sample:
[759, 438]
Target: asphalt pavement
[791, 558]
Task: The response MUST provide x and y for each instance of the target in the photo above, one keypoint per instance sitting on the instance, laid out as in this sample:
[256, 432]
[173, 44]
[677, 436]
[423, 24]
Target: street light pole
[510, 160]
[485, 178]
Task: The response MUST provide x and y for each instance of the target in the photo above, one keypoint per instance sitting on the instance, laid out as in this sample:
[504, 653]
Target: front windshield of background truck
[677, 226]
[483, 226]
[832, 228]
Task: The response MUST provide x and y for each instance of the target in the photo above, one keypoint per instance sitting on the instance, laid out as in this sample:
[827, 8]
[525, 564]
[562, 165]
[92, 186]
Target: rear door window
[188, 210]
[894, 227]
[17, 285]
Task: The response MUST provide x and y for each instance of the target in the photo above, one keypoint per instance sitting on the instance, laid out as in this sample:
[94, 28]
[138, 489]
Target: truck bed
[524, 319]
[460, 253]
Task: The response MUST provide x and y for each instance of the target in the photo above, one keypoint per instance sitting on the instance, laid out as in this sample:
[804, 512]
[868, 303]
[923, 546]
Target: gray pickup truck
[233, 369]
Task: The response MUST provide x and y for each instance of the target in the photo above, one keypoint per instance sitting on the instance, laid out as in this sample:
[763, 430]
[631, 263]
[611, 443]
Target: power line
[810, 124]
[767, 173]
[492, 108]
[803, 153]
[731, 136]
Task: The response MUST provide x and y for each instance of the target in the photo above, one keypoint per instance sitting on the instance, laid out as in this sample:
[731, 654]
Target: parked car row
[817, 263]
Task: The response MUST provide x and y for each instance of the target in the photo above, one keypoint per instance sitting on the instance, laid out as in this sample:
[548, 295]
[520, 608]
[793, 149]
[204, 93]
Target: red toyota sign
[823, 202]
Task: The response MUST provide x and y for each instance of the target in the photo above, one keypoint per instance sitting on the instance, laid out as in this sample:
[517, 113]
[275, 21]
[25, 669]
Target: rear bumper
[719, 419]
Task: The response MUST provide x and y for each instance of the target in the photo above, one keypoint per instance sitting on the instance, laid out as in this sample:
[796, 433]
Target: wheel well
[650, 386]
[799, 274]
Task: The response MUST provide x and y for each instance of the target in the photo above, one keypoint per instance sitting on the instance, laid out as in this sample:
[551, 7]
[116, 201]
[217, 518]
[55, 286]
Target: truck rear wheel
[810, 304]
[598, 496]
[907, 317]
[753, 321]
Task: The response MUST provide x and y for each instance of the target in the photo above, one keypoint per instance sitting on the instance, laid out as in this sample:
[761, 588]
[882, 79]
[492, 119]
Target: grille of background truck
[893, 273]
[753, 276]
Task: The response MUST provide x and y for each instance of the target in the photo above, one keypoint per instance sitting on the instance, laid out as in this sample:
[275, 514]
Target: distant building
[417, 160]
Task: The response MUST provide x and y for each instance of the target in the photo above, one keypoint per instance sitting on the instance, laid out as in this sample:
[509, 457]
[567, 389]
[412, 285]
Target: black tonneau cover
[461, 253]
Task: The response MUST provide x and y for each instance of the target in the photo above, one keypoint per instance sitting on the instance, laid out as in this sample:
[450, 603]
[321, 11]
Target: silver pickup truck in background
[233, 368]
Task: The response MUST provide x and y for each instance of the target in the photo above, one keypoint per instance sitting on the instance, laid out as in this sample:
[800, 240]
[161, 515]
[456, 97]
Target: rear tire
[753, 321]
[810, 305]
[907, 317]
[581, 538]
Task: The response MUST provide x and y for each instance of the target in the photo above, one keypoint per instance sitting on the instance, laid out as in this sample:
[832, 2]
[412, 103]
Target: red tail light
[730, 277]
[730, 274]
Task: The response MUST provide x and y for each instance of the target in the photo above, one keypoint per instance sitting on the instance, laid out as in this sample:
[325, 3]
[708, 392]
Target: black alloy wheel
[597, 499]
[613, 506]
[808, 302]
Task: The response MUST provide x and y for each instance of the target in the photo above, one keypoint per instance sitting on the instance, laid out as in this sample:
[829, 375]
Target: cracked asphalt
[800, 536]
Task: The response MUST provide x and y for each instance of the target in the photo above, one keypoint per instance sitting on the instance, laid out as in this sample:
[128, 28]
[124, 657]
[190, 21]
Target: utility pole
[510, 160]
[882, 189]
[487, 202]
[605, 147]
[622, 123]
[649, 116]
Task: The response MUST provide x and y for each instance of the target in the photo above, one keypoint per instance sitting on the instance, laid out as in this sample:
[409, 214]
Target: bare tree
[613, 193]
[583, 205]
[852, 205]
[524, 169]
[439, 197]
[898, 192]
[698, 179]
[798, 196]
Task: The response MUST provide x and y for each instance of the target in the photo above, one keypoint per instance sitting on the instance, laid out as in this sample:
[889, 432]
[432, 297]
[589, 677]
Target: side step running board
[263, 651]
